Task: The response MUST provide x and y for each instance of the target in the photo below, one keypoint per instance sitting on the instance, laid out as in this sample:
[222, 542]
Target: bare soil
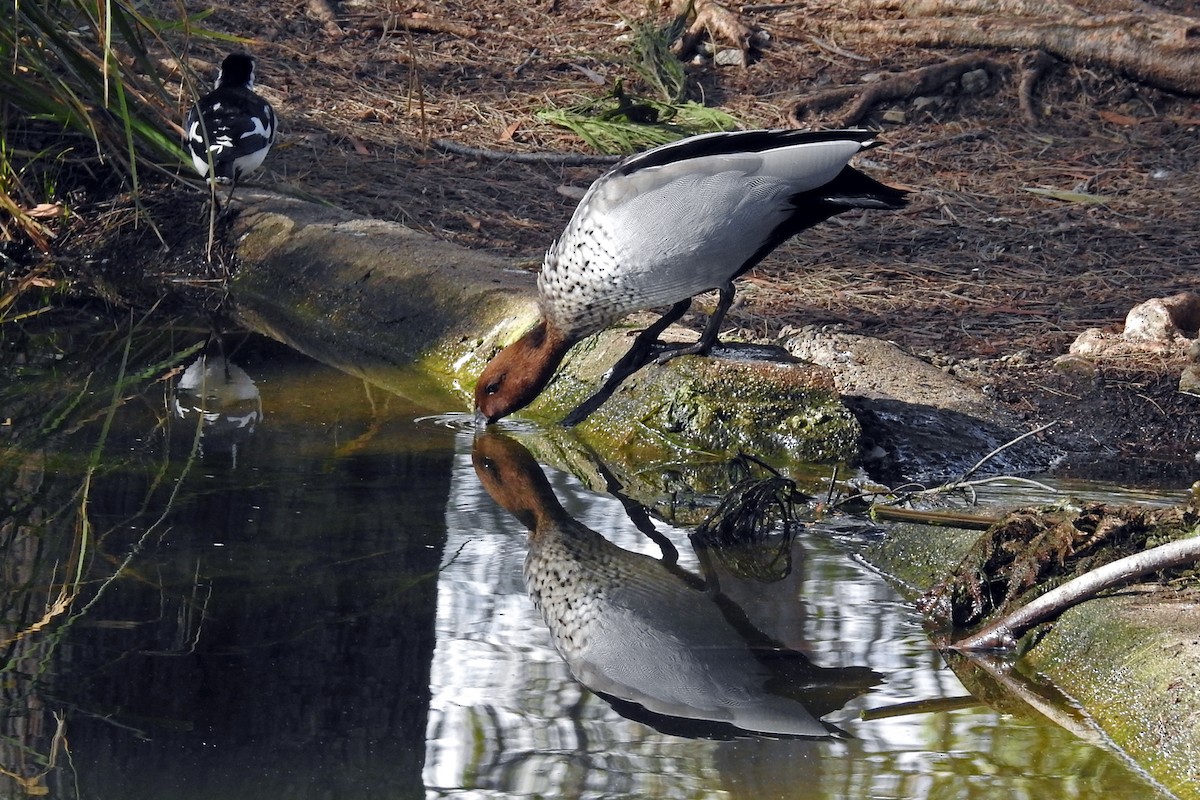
[980, 276]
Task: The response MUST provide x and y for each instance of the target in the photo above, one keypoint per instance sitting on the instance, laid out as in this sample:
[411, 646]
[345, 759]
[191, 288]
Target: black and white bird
[231, 129]
[665, 225]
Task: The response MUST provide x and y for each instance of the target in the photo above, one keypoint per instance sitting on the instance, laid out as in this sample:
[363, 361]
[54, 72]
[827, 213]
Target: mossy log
[421, 317]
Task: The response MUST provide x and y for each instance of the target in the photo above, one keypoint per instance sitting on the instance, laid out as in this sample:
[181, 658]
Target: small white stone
[731, 57]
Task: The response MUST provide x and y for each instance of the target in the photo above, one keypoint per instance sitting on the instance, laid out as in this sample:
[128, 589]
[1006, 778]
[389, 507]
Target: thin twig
[996, 452]
[566, 159]
[832, 486]
[1014, 478]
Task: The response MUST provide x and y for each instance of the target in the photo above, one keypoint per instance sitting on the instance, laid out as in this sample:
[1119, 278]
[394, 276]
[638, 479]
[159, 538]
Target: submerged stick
[1004, 632]
[951, 519]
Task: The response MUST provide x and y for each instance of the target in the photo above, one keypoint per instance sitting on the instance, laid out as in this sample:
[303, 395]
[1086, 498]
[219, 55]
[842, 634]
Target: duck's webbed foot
[709, 337]
[700, 348]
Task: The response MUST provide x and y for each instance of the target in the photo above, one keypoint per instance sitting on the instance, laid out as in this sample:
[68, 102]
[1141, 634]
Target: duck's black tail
[853, 189]
[849, 190]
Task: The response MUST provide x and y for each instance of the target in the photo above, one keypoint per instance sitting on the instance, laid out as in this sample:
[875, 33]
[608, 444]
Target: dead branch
[949, 519]
[905, 84]
[1150, 45]
[417, 23]
[1004, 632]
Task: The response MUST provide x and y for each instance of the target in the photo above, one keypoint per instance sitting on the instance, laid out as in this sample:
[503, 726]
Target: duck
[661, 644]
[665, 225]
[231, 129]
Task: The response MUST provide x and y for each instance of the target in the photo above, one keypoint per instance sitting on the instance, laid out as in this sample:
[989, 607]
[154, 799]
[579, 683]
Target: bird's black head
[237, 70]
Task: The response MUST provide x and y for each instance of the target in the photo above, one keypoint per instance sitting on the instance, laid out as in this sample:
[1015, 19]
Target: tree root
[906, 84]
[1034, 67]
[717, 21]
[1152, 46]
[322, 12]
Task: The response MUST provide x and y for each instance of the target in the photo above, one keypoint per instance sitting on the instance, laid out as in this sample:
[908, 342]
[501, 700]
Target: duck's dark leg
[708, 337]
[639, 354]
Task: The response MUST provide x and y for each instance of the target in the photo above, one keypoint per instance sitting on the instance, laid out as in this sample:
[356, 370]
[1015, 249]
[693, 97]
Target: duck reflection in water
[650, 637]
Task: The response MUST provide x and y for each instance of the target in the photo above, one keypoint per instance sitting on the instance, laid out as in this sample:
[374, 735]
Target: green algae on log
[1131, 661]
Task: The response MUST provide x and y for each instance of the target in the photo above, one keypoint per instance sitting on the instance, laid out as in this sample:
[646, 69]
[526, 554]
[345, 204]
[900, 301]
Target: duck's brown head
[517, 374]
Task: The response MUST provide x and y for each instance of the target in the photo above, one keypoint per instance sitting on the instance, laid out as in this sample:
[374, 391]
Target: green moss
[1140, 683]
[1131, 660]
[919, 556]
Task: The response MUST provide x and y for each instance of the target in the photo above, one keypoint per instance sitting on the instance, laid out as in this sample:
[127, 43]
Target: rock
[1093, 342]
[975, 81]
[1164, 320]
[918, 422]
[923, 103]
[1076, 366]
[894, 115]
[1161, 325]
[731, 57]
[1189, 381]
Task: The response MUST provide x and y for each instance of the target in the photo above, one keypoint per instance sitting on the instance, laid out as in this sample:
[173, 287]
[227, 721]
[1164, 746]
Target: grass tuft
[82, 103]
[621, 122]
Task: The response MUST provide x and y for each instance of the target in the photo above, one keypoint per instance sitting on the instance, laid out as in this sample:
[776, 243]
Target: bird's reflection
[653, 639]
[222, 399]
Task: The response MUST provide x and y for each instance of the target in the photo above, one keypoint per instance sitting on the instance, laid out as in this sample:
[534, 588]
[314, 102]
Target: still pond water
[320, 597]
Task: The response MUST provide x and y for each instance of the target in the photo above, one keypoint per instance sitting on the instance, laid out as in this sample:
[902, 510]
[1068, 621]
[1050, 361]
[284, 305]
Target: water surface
[316, 597]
